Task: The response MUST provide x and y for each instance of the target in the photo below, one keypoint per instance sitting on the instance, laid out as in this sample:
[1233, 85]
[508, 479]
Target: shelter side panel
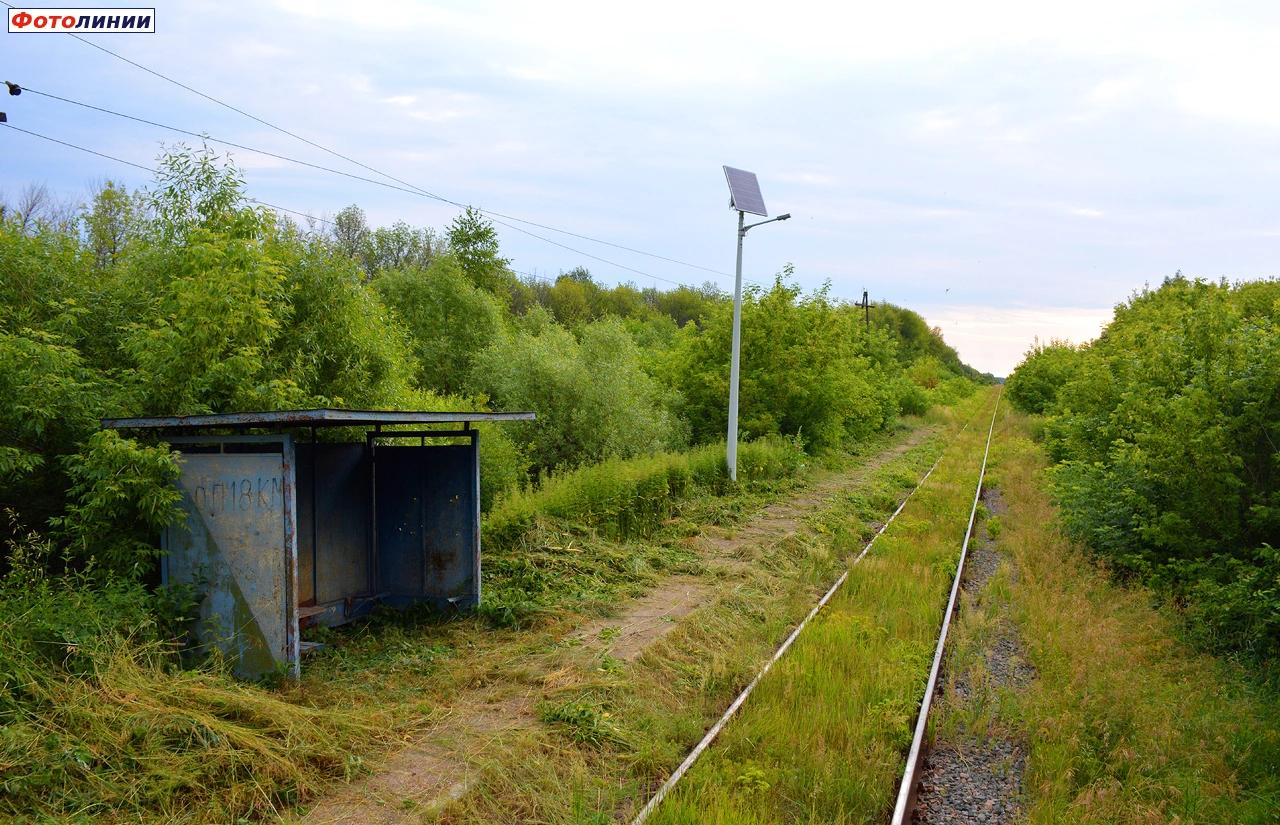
[399, 517]
[233, 546]
[451, 524]
[427, 523]
[333, 522]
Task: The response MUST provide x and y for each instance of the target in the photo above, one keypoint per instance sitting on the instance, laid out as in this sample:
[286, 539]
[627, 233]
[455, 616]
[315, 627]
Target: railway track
[909, 785]
[914, 754]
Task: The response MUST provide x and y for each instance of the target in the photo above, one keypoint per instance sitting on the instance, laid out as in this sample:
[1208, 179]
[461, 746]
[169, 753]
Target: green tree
[807, 370]
[206, 344]
[592, 396]
[400, 246]
[1034, 385]
[350, 231]
[449, 320]
[474, 242]
[570, 300]
[111, 222]
[337, 342]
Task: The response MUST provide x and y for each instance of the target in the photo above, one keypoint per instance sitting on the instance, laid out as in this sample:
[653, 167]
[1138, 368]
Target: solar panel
[744, 191]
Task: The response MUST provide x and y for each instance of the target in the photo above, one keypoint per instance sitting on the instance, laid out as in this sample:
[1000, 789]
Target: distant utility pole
[866, 307]
[744, 196]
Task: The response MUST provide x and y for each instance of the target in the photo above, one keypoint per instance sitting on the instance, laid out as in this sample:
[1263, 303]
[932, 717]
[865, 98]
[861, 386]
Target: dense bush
[1033, 387]
[122, 495]
[592, 396]
[808, 370]
[1166, 429]
[951, 390]
[448, 318]
[913, 399]
[338, 342]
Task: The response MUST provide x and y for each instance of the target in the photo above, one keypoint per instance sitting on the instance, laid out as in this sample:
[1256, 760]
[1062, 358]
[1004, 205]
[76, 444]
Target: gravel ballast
[965, 779]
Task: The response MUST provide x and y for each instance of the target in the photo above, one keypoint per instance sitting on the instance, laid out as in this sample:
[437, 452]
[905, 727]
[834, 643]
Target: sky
[1009, 170]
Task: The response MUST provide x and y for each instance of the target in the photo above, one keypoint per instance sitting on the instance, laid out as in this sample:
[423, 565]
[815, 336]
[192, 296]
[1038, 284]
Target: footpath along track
[697, 751]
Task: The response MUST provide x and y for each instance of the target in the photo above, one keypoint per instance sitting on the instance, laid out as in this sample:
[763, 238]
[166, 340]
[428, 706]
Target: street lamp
[744, 196]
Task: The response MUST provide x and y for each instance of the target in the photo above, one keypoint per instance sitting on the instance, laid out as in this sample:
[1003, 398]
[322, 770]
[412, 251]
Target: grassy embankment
[1124, 721]
[109, 731]
[822, 738]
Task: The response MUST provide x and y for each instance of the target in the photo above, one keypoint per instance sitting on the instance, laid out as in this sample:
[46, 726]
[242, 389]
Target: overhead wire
[153, 171]
[387, 175]
[406, 189]
[499, 217]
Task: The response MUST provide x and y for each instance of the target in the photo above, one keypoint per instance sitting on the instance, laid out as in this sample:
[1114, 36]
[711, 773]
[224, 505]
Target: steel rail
[715, 729]
[909, 774]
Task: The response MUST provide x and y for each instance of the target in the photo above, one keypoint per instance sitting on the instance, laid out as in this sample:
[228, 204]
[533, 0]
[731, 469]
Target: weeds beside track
[1086, 685]
[1125, 721]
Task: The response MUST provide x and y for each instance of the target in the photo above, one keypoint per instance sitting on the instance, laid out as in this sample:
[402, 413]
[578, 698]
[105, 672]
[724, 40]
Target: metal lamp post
[744, 192]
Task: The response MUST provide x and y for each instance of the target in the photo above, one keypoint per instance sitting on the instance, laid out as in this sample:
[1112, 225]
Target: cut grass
[1124, 723]
[135, 740]
[822, 738]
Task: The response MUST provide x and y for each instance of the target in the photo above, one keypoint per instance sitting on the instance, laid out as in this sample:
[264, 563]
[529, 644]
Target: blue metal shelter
[283, 533]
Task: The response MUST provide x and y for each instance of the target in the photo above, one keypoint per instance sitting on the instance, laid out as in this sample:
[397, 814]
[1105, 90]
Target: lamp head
[787, 216]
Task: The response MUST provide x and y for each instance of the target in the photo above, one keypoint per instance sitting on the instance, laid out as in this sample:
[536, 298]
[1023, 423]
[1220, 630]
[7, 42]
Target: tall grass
[1125, 722]
[579, 538]
[626, 498]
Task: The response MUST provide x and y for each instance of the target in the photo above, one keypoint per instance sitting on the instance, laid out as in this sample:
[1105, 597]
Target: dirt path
[647, 619]
[436, 768]
[432, 771]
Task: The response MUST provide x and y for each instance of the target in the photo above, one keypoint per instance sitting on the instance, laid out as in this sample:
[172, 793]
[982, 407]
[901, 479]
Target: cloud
[1113, 91]
[994, 339]
[817, 179]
